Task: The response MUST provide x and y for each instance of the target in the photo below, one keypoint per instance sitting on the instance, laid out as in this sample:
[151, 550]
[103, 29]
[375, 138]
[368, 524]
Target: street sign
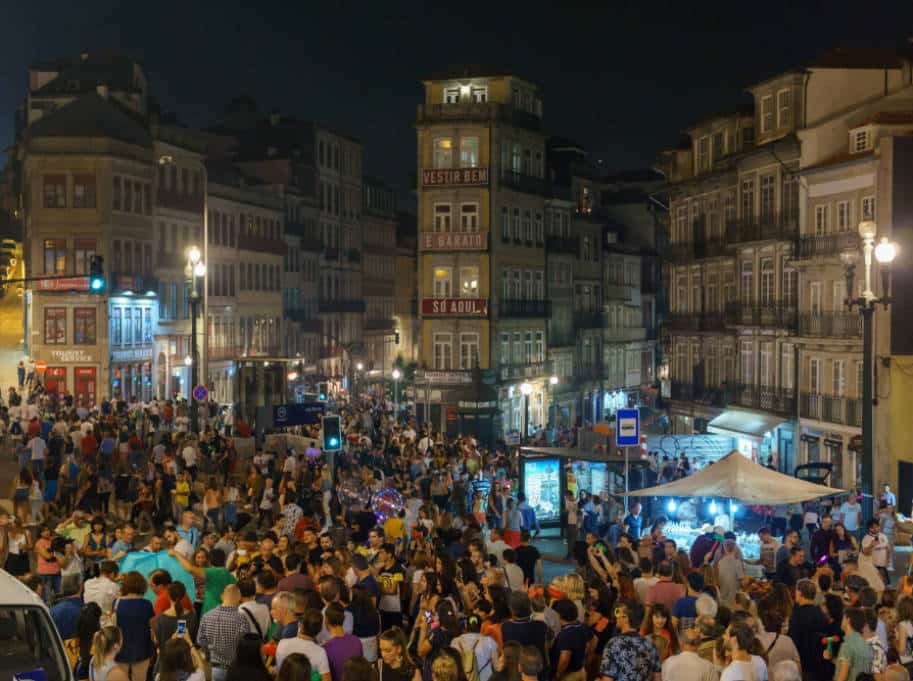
[200, 393]
[40, 366]
[627, 427]
[298, 414]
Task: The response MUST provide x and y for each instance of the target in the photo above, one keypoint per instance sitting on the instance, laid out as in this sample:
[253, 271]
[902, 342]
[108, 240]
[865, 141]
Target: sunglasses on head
[620, 612]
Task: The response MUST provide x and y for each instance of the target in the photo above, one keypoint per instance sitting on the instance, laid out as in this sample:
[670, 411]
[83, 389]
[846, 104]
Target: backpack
[470, 664]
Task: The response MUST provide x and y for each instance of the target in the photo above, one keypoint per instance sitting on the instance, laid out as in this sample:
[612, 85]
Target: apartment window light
[451, 95]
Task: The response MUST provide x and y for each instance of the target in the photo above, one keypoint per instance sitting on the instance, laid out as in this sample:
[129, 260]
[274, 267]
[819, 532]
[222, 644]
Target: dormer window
[452, 95]
[784, 108]
[860, 141]
[703, 154]
[767, 113]
[719, 145]
[747, 136]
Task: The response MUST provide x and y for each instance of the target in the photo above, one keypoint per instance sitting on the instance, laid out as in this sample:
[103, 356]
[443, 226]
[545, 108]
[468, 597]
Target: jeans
[50, 587]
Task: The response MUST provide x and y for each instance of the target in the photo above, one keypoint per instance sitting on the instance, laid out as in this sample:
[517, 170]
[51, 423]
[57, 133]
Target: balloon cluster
[352, 494]
[387, 503]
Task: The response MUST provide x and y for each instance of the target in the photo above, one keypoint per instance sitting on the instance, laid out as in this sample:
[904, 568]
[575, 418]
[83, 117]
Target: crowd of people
[406, 556]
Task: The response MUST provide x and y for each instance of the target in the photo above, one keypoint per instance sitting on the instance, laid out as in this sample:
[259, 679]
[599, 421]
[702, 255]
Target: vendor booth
[731, 481]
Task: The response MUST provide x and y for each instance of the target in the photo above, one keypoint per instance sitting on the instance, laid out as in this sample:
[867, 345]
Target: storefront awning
[743, 423]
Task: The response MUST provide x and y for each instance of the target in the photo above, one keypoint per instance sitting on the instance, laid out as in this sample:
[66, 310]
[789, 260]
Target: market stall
[733, 480]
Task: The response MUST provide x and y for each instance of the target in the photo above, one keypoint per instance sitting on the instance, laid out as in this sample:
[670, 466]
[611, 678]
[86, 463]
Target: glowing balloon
[352, 494]
[387, 503]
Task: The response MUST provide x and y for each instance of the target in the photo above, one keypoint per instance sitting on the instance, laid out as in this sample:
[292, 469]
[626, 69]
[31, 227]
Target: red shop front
[55, 380]
[84, 391]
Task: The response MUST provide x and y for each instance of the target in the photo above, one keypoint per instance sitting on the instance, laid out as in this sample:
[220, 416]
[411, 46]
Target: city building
[756, 319]
[382, 335]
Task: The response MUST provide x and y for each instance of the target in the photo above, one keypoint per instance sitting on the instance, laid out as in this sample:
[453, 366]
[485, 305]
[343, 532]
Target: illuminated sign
[467, 177]
[455, 307]
[67, 284]
[454, 241]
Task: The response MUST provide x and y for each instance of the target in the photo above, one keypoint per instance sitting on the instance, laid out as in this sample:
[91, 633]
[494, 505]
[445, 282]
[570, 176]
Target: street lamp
[552, 407]
[525, 389]
[193, 270]
[884, 253]
[396, 374]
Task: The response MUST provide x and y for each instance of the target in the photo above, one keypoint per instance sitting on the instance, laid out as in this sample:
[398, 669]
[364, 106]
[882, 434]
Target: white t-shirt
[313, 652]
[189, 454]
[486, 651]
[514, 575]
[642, 587]
[36, 448]
[850, 513]
[739, 671]
[879, 553]
[690, 666]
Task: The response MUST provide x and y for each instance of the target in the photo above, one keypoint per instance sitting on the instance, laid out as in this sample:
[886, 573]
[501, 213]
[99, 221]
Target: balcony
[831, 325]
[588, 319]
[304, 322]
[564, 245]
[824, 245]
[709, 248]
[772, 315]
[707, 321]
[511, 372]
[380, 325]
[693, 392]
[765, 398]
[524, 309]
[845, 411]
[477, 111]
[135, 283]
[527, 184]
[625, 334]
[177, 201]
[345, 306]
[260, 245]
[777, 226]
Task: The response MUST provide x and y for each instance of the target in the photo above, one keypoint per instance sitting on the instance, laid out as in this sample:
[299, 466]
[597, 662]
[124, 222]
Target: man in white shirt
[37, 448]
[688, 664]
[647, 579]
[496, 545]
[103, 589]
[513, 572]
[875, 545]
[291, 464]
[851, 511]
[308, 628]
[256, 613]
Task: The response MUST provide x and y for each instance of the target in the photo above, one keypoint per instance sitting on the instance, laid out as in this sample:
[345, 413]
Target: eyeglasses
[620, 612]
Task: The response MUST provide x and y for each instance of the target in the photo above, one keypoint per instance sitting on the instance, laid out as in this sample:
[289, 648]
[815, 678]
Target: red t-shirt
[243, 429]
[162, 602]
[34, 429]
[89, 445]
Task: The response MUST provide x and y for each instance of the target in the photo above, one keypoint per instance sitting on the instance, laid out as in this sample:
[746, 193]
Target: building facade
[381, 327]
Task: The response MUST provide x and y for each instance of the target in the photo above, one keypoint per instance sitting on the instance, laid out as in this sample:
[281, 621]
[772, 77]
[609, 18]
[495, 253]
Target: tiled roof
[92, 116]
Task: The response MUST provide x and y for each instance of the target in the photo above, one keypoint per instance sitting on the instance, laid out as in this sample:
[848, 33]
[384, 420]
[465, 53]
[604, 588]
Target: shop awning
[743, 423]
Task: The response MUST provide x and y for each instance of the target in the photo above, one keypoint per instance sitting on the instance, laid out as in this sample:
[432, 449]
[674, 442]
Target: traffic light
[332, 438]
[96, 274]
[322, 392]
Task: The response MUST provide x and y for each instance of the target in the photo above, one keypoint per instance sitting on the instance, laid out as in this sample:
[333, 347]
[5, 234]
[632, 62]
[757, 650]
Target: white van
[29, 640]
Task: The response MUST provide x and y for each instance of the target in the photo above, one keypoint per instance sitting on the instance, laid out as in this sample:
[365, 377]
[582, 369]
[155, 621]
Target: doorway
[904, 486]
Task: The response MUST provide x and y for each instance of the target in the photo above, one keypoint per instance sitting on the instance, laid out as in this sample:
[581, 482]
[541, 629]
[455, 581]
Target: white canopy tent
[737, 477]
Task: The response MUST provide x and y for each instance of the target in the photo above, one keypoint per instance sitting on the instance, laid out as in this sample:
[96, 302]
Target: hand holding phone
[182, 627]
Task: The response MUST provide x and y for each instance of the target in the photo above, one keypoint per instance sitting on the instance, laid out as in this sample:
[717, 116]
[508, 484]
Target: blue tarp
[146, 563]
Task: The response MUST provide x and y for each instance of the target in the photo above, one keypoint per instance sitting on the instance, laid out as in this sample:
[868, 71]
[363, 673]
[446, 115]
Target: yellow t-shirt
[182, 493]
[395, 529]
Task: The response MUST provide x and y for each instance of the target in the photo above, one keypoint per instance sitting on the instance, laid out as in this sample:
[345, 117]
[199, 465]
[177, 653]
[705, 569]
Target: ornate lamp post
[193, 270]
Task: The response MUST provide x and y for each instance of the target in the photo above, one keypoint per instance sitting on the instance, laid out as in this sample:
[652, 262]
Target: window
[116, 194]
[505, 223]
[469, 217]
[767, 281]
[443, 152]
[838, 299]
[747, 282]
[128, 196]
[784, 108]
[539, 348]
[147, 325]
[128, 325]
[868, 207]
[469, 152]
[703, 154]
[479, 95]
[516, 224]
[84, 191]
[719, 145]
[860, 141]
[469, 282]
[839, 378]
[747, 136]
[814, 375]
[790, 195]
[843, 216]
[767, 113]
[518, 287]
[137, 197]
[442, 217]
[748, 198]
[528, 225]
[451, 95]
[84, 326]
[814, 297]
[787, 366]
[505, 284]
[84, 250]
[765, 364]
[768, 194]
[55, 326]
[137, 326]
[517, 357]
[746, 353]
[790, 288]
[528, 347]
[821, 219]
[443, 351]
[55, 256]
[443, 277]
[469, 350]
[55, 191]
[540, 234]
[115, 325]
[540, 285]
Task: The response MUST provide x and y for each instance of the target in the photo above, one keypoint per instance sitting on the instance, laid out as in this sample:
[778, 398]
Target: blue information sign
[627, 427]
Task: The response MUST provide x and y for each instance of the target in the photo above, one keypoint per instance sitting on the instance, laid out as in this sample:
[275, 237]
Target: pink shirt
[45, 567]
[665, 592]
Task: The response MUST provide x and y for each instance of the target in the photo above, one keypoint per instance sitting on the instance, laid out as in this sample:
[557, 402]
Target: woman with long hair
[659, 630]
[166, 623]
[106, 644]
[296, 667]
[134, 614]
[180, 661]
[248, 664]
[395, 663]
[366, 619]
[436, 633]
[87, 626]
[18, 545]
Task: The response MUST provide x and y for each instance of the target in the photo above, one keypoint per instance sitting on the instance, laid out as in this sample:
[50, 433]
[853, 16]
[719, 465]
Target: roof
[837, 159]
[888, 118]
[471, 71]
[80, 74]
[860, 58]
[92, 116]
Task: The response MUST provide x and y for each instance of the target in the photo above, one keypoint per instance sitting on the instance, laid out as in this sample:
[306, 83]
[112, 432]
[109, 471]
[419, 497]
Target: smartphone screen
[428, 616]
[182, 627]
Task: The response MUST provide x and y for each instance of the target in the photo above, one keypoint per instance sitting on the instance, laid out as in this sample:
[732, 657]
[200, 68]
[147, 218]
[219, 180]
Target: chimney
[102, 91]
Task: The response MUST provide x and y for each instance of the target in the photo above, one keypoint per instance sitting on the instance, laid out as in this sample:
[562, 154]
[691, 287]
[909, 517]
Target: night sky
[621, 78]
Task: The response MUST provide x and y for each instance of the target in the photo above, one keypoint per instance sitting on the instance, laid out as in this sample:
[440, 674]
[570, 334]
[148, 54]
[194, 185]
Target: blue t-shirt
[634, 525]
[684, 607]
[65, 614]
[133, 615]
